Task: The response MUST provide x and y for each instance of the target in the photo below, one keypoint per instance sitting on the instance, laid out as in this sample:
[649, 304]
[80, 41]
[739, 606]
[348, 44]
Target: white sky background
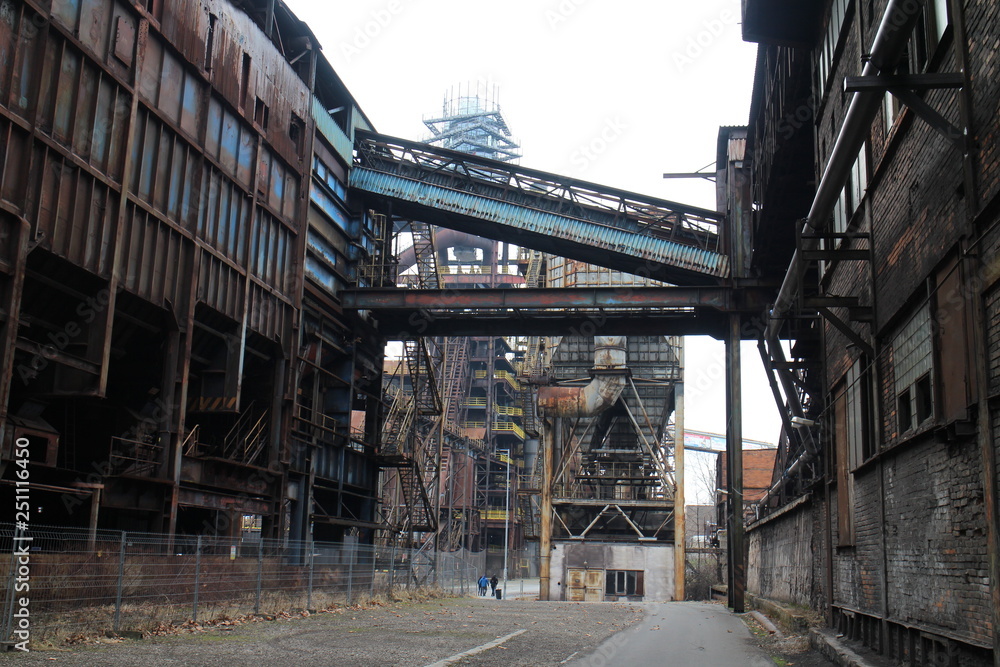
[614, 92]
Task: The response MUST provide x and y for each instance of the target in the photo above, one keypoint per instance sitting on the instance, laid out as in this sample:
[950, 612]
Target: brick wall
[857, 581]
[919, 523]
[982, 17]
[786, 555]
[935, 539]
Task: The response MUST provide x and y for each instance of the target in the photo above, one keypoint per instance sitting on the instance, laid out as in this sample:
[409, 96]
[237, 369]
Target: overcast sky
[615, 92]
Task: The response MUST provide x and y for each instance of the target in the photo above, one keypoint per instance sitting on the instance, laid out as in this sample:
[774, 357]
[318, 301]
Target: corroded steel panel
[221, 287]
[75, 214]
[155, 261]
[237, 41]
[270, 316]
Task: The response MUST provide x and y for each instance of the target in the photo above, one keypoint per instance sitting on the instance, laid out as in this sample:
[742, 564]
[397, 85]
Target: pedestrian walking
[493, 585]
[483, 583]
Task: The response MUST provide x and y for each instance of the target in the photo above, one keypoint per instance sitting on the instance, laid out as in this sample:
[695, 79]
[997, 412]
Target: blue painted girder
[537, 210]
[567, 237]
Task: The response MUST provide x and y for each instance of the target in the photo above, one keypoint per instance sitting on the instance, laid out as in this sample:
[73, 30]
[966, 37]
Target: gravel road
[397, 634]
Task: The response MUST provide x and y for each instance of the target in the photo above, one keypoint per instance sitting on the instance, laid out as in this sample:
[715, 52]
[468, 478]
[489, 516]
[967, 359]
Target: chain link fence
[64, 582]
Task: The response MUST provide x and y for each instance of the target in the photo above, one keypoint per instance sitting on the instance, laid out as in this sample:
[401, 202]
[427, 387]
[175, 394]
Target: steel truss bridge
[646, 236]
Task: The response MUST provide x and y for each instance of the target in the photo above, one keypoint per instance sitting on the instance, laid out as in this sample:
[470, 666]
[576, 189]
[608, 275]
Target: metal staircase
[425, 254]
[457, 382]
[398, 422]
[530, 513]
[421, 513]
[248, 437]
[421, 375]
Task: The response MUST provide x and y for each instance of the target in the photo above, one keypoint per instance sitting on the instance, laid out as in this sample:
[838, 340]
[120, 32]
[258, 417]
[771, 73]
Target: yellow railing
[508, 426]
[480, 402]
[499, 425]
[495, 515]
[507, 376]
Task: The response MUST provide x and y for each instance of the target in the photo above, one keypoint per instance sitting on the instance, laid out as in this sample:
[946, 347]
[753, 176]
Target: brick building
[873, 165]
[758, 469]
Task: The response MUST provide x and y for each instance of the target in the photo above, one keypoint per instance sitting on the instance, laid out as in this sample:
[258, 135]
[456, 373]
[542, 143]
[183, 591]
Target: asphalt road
[454, 631]
[682, 634]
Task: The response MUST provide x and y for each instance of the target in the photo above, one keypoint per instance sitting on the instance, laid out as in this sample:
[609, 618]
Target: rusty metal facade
[174, 228]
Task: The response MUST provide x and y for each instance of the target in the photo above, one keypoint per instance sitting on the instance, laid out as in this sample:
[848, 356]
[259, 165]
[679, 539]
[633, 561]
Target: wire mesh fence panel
[70, 577]
[87, 582]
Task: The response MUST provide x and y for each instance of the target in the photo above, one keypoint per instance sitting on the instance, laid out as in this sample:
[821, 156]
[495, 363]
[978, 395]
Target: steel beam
[20, 231]
[881, 83]
[409, 324]
[724, 299]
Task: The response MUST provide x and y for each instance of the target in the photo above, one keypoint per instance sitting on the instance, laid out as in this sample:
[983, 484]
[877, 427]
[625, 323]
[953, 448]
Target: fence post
[121, 581]
[312, 563]
[260, 570]
[392, 569]
[371, 580]
[410, 579]
[350, 573]
[197, 577]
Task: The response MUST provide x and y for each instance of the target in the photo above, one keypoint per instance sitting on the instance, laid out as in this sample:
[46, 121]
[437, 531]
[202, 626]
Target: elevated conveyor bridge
[596, 224]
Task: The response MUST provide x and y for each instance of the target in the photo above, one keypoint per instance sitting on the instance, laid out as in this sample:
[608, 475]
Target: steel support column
[680, 526]
[549, 436]
[734, 467]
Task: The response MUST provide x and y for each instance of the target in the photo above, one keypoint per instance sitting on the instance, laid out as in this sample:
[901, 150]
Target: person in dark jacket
[493, 585]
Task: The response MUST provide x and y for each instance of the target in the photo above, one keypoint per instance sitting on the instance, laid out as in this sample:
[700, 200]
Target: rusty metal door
[576, 586]
[594, 582]
[585, 585]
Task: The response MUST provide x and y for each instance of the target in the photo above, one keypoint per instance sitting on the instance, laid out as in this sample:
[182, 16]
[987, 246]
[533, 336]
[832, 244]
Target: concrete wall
[657, 561]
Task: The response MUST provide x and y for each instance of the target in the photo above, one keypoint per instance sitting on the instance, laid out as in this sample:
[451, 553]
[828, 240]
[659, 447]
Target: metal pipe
[603, 390]
[893, 33]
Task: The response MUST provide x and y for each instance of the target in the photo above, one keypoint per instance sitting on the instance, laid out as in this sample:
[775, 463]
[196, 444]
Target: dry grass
[92, 625]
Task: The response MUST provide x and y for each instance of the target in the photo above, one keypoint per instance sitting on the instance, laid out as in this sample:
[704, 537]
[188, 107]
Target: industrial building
[874, 177]
[175, 224]
[200, 268]
[205, 245]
